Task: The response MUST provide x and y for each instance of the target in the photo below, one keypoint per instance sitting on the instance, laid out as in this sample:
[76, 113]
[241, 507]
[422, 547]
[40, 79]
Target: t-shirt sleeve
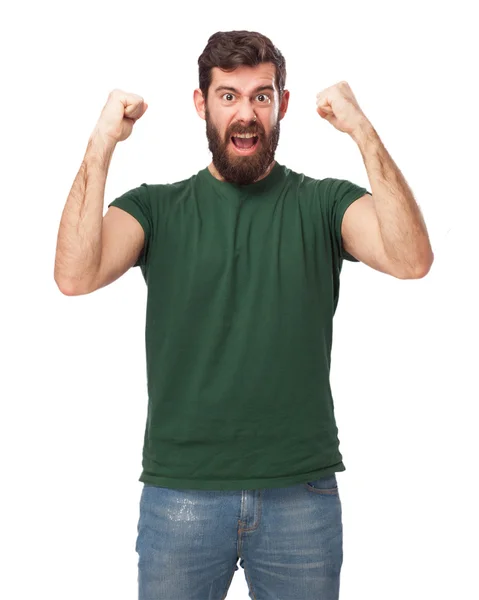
[136, 202]
[340, 194]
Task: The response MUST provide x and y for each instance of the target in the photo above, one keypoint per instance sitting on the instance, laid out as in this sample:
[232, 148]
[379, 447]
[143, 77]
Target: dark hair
[228, 50]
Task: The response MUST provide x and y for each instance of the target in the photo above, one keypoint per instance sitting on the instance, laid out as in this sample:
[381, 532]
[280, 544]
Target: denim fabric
[289, 542]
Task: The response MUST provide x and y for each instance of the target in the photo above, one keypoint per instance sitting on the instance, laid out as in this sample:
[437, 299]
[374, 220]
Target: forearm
[79, 240]
[402, 226]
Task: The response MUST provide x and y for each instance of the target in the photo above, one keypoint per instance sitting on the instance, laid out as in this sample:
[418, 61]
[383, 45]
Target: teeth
[244, 135]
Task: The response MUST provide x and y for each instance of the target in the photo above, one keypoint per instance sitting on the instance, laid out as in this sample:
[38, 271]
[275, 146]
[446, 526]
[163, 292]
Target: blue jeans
[289, 541]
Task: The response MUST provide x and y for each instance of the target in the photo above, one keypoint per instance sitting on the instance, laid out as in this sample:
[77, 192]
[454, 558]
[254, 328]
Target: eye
[227, 94]
[267, 98]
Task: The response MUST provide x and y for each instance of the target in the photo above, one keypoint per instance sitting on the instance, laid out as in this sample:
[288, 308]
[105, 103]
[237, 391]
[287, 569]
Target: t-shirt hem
[239, 484]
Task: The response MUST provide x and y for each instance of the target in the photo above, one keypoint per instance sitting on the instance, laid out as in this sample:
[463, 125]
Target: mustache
[254, 131]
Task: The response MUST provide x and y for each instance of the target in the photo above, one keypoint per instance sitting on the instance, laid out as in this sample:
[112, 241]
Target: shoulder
[332, 190]
[316, 192]
[173, 186]
[309, 182]
[161, 195]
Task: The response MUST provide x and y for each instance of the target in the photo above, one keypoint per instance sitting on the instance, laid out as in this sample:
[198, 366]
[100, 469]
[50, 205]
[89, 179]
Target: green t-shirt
[243, 283]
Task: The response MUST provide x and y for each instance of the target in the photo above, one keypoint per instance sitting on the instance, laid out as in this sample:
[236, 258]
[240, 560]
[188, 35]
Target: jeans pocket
[324, 485]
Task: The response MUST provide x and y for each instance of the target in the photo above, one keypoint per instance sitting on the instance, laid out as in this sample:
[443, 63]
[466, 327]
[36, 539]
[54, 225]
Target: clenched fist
[119, 114]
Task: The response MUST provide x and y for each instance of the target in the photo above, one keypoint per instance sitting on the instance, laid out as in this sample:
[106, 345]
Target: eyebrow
[232, 89]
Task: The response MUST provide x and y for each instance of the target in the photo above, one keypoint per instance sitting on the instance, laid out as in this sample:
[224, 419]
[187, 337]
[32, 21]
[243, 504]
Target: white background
[73, 383]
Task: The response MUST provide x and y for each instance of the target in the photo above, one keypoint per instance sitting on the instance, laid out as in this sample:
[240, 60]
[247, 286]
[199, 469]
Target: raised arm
[92, 250]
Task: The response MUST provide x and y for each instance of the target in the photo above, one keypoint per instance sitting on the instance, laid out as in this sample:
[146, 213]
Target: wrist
[100, 139]
[100, 147]
[363, 132]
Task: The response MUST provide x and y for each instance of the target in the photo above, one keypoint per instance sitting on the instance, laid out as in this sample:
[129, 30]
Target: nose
[246, 112]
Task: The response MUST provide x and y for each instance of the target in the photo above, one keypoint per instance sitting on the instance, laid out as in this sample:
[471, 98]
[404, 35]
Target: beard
[241, 170]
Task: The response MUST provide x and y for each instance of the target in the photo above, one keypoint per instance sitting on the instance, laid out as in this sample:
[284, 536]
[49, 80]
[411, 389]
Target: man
[242, 263]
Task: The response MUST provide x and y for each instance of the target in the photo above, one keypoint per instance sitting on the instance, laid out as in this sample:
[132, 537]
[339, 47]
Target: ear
[284, 104]
[199, 103]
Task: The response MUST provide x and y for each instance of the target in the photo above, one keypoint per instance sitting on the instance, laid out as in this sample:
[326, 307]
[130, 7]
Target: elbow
[425, 266]
[66, 289]
[70, 288]
[420, 269]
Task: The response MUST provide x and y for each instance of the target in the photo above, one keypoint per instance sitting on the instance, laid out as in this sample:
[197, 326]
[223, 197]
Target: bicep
[122, 242]
[361, 235]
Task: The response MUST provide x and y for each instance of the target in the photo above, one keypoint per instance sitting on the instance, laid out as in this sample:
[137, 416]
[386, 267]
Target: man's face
[233, 101]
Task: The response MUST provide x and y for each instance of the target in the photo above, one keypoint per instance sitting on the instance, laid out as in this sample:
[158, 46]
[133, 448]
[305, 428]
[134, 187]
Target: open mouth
[245, 144]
